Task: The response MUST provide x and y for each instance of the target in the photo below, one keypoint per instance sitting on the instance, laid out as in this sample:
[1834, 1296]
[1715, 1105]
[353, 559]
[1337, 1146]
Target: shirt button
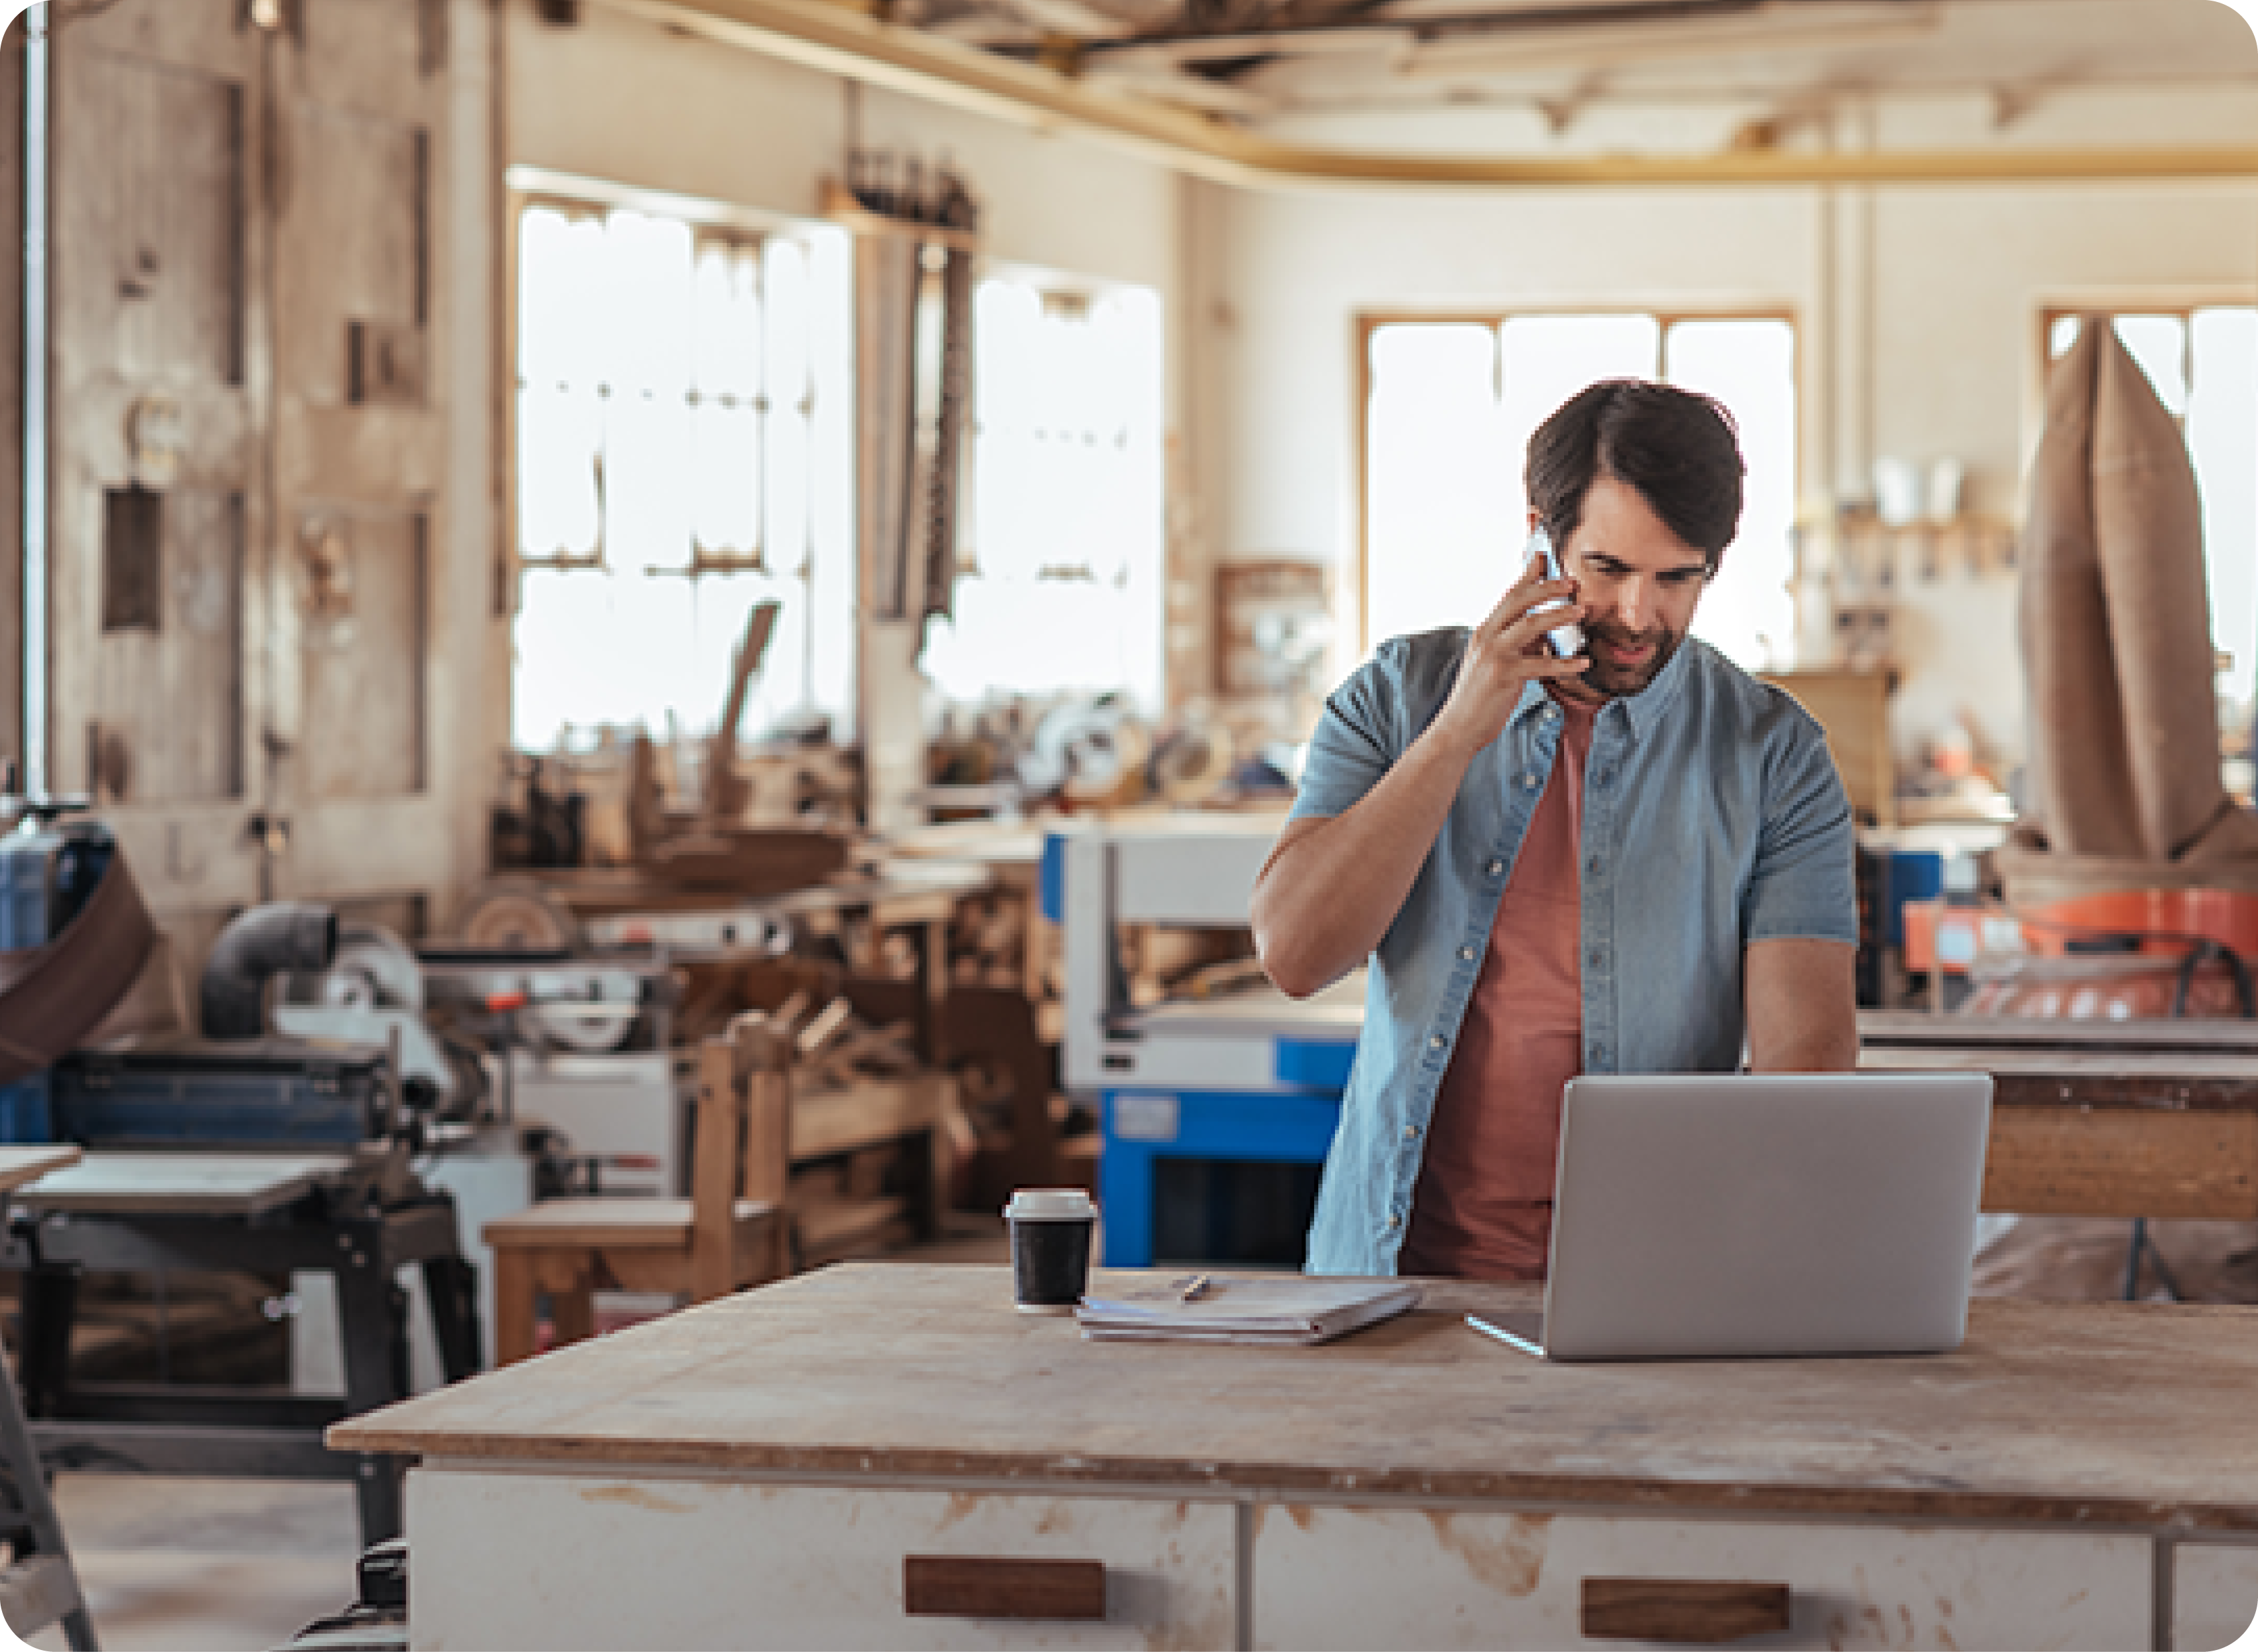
[1495, 868]
[1395, 1221]
[1551, 713]
[1592, 866]
[1595, 958]
[1465, 954]
[1437, 1042]
[1529, 783]
[1597, 1052]
[1410, 1132]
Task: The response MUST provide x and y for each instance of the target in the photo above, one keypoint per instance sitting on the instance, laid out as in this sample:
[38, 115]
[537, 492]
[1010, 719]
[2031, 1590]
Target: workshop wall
[314, 717]
[1917, 312]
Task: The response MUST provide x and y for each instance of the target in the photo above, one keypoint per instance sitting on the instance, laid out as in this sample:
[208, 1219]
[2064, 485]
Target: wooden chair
[730, 1233]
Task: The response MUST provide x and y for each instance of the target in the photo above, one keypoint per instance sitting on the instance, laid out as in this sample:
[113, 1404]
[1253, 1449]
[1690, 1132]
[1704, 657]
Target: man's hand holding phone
[1531, 635]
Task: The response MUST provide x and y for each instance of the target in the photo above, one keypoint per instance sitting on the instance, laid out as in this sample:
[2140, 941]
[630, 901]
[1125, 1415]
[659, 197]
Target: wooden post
[713, 1173]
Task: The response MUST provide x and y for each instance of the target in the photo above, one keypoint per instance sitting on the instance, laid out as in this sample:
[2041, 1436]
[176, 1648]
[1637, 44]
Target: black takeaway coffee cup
[1051, 1230]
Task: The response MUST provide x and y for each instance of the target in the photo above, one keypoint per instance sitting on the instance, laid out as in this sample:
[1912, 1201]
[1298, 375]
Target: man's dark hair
[1677, 447]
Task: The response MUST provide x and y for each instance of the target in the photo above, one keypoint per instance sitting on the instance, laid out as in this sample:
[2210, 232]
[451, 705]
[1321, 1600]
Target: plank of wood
[20, 1165]
[2097, 1070]
[1682, 1611]
[1913, 1029]
[180, 1183]
[980, 1586]
[2107, 1162]
[621, 1221]
[828, 1229]
[837, 1121]
[2093, 1413]
[2180, 1082]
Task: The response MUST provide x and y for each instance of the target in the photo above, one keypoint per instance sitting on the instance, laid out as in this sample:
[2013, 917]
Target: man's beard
[1620, 682]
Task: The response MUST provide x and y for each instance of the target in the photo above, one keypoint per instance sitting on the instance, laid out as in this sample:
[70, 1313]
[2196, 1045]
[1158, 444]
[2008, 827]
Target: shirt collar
[1644, 710]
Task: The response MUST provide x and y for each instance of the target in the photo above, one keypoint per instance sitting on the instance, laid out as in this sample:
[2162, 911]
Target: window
[1060, 588]
[682, 454]
[2204, 364]
[1449, 413]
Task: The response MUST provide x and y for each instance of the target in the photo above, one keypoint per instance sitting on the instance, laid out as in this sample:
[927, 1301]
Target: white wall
[1917, 308]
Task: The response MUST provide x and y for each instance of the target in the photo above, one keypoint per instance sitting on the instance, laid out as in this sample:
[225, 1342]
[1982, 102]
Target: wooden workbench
[761, 1472]
[2095, 1118]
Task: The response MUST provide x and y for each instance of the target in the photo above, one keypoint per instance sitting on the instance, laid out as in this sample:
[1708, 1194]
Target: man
[1629, 860]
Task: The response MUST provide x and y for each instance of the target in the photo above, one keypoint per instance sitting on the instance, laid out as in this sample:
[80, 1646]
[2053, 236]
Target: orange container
[1941, 936]
[2163, 919]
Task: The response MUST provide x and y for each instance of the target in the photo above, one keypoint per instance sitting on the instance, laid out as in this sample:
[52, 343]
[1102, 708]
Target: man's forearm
[1802, 1006]
[1328, 893]
[1834, 1052]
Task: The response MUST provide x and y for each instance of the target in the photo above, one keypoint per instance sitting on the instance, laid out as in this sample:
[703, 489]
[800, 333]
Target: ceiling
[1254, 63]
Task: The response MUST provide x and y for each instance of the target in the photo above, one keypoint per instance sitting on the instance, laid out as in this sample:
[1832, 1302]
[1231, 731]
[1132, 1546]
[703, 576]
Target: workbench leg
[2143, 1244]
[514, 1306]
[373, 1315]
[450, 1284]
[572, 1306]
[50, 1306]
[31, 1483]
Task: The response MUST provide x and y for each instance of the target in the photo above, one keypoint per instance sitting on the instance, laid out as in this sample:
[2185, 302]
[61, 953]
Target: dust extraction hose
[266, 940]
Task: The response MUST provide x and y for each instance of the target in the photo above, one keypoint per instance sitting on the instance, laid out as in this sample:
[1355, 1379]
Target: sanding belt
[53, 996]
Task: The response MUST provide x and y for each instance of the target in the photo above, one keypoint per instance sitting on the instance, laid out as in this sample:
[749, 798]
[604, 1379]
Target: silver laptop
[1735, 1214]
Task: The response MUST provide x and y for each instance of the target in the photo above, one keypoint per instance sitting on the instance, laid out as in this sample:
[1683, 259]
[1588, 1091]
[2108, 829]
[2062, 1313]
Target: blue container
[26, 881]
[26, 1111]
[1912, 874]
[47, 871]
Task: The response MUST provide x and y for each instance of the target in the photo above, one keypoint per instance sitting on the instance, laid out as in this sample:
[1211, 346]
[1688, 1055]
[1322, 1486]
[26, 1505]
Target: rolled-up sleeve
[1357, 737]
[1804, 884]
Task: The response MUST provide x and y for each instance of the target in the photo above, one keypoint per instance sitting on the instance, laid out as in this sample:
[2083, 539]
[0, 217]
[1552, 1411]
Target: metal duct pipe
[264, 942]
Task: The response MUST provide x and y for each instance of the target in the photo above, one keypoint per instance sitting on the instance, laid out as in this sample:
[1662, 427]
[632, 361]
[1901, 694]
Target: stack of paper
[1275, 1309]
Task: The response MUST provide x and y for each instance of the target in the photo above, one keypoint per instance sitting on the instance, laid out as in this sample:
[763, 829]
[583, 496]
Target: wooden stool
[728, 1234]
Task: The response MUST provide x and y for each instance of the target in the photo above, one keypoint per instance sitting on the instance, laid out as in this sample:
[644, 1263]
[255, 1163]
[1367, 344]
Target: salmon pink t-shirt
[1483, 1205]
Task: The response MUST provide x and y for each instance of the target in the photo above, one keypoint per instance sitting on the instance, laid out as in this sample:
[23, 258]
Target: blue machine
[1252, 1077]
[256, 1093]
[49, 867]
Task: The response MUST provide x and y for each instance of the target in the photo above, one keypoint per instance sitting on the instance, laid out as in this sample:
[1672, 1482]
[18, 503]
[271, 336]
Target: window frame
[1367, 323]
[525, 188]
[1082, 292]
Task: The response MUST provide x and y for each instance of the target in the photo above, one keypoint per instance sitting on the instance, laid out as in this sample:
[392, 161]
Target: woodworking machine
[1250, 1076]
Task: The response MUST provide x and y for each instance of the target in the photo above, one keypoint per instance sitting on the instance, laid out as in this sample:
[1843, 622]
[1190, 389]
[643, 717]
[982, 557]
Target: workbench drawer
[2214, 1595]
[1369, 1578]
[559, 1561]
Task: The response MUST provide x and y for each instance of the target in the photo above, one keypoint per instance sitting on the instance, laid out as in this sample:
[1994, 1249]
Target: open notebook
[1289, 1308]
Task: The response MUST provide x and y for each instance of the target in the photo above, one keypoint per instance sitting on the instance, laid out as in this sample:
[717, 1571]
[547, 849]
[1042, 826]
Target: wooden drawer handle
[1681, 1612]
[969, 1586]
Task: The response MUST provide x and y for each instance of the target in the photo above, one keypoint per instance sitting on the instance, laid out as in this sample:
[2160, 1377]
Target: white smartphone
[1567, 641]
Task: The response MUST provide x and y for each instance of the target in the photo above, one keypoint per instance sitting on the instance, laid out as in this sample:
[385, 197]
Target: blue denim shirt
[1713, 817]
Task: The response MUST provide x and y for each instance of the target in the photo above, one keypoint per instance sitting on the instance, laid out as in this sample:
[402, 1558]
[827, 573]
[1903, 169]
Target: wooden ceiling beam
[843, 40]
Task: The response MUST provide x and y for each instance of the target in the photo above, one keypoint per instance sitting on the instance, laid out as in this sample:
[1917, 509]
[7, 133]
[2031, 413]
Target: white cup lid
[1038, 1204]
